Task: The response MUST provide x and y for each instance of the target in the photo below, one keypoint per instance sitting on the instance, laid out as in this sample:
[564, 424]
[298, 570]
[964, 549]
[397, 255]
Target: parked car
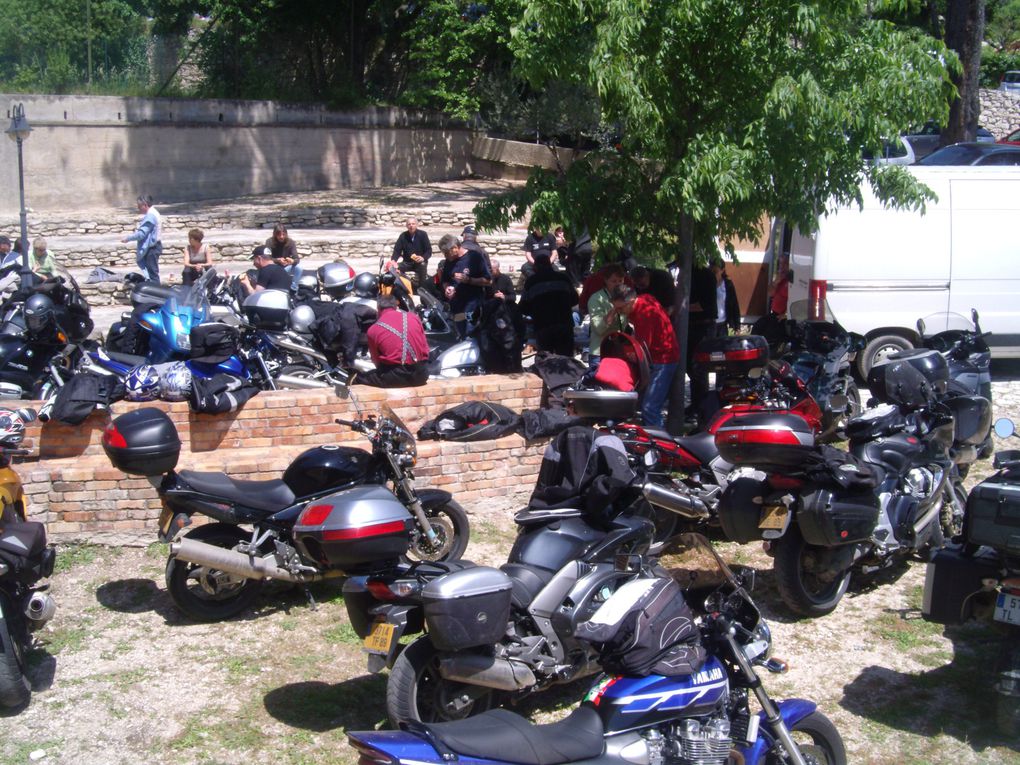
[974, 153]
[894, 152]
[1013, 138]
[927, 139]
[1010, 81]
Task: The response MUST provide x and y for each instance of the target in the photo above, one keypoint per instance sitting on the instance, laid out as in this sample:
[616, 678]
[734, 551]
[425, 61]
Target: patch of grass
[117, 649]
[241, 666]
[72, 556]
[342, 633]
[237, 735]
[127, 678]
[157, 551]
[21, 752]
[69, 639]
[484, 531]
[289, 624]
[908, 634]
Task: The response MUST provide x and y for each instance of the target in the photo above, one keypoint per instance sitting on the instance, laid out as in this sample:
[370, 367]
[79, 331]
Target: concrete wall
[95, 151]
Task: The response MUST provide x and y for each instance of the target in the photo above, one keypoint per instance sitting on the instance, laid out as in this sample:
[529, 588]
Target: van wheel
[878, 349]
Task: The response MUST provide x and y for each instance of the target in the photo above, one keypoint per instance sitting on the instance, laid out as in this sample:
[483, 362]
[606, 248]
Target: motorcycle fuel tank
[328, 467]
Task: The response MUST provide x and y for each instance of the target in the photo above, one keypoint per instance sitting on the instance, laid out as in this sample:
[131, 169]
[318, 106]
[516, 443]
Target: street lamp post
[18, 132]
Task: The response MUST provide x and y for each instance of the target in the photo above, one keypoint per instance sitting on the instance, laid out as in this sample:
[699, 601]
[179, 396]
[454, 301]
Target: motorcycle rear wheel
[416, 691]
[15, 690]
[450, 522]
[818, 740]
[210, 595]
[804, 592]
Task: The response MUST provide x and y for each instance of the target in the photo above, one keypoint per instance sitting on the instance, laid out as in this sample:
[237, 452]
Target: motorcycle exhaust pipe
[675, 501]
[40, 608]
[241, 564]
[300, 383]
[486, 671]
[304, 350]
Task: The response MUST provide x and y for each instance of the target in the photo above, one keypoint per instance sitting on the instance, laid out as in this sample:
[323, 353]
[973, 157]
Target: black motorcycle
[216, 570]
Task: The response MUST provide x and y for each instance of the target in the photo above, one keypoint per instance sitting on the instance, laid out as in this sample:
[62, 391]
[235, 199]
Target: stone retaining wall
[71, 486]
[1000, 112]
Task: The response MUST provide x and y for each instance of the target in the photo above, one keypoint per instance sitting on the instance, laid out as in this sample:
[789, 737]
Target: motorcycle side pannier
[993, 516]
[357, 530]
[143, 442]
[972, 416]
[765, 440]
[467, 608]
[829, 518]
[733, 355]
[953, 584]
[268, 309]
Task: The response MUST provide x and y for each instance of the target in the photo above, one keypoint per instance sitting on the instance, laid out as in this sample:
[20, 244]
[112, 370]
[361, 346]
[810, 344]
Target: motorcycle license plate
[380, 638]
[166, 517]
[773, 517]
[1007, 608]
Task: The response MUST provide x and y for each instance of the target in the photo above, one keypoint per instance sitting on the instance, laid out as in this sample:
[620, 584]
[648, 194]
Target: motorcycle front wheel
[416, 690]
[208, 594]
[15, 690]
[450, 523]
[817, 739]
[806, 585]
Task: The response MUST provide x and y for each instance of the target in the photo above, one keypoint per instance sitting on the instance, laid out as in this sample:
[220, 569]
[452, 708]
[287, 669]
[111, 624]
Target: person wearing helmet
[398, 348]
[394, 283]
[412, 251]
[270, 277]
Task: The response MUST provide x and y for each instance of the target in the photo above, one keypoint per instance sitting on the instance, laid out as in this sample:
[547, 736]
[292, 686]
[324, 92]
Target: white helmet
[142, 383]
[174, 381]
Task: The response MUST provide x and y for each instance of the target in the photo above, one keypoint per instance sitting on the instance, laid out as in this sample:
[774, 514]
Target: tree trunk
[681, 321]
[965, 29]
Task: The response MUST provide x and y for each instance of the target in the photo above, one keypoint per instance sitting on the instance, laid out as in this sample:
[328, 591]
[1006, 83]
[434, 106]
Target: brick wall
[72, 487]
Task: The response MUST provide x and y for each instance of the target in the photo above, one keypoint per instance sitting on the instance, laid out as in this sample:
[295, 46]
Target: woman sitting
[197, 257]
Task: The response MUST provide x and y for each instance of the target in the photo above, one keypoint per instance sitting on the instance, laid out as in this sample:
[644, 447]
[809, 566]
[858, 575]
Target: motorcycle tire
[666, 523]
[15, 690]
[1007, 703]
[818, 740]
[450, 522]
[298, 370]
[209, 595]
[802, 592]
[416, 691]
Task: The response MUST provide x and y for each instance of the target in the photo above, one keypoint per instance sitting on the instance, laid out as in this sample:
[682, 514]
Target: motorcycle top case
[910, 378]
[601, 404]
[993, 515]
[364, 528]
[143, 442]
[268, 309]
[972, 418]
[765, 439]
[467, 608]
[733, 355]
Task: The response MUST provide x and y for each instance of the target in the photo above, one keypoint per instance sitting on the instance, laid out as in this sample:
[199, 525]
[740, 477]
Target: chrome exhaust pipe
[304, 350]
[240, 564]
[675, 501]
[486, 671]
[300, 383]
[40, 608]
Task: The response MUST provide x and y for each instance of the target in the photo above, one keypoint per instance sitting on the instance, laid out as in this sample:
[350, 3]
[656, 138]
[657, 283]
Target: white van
[878, 270]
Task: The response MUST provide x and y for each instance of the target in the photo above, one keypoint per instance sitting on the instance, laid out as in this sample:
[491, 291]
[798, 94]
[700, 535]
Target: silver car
[1010, 81]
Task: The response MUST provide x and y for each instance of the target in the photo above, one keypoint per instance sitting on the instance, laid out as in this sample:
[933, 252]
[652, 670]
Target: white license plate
[1007, 608]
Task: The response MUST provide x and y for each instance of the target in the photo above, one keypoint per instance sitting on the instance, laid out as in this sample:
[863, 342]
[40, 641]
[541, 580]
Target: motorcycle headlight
[407, 448]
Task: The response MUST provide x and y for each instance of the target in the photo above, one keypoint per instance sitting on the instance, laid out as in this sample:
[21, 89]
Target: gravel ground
[121, 677]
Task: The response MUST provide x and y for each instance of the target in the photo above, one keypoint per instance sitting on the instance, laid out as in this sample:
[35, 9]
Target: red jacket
[653, 327]
[386, 339]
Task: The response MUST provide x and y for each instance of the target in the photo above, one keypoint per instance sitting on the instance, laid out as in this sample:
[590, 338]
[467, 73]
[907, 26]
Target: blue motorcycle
[701, 717]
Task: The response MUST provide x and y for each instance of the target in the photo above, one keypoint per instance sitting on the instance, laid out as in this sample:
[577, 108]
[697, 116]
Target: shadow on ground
[355, 704]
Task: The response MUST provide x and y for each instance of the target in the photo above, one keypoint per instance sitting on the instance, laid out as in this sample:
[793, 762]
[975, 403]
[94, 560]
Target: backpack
[213, 343]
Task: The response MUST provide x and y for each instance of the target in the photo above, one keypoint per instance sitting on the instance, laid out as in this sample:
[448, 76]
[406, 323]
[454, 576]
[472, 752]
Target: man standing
[271, 276]
[469, 240]
[466, 277]
[502, 287]
[549, 298]
[398, 348]
[412, 252]
[149, 238]
[537, 243]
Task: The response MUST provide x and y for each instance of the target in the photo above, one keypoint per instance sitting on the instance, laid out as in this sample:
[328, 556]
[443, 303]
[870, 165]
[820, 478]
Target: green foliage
[728, 112]
[1002, 26]
[994, 64]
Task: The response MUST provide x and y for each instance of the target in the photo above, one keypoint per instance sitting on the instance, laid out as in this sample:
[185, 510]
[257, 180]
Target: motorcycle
[980, 578]
[270, 529]
[697, 717]
[824, 513]
[25, 559]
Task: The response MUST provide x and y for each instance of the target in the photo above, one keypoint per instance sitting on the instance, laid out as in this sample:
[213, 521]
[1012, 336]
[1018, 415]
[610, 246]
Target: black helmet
[388, 279]
[366, 285]
[38, 312]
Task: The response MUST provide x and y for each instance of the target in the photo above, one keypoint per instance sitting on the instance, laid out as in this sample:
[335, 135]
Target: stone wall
[1000, 112]
[71, 486]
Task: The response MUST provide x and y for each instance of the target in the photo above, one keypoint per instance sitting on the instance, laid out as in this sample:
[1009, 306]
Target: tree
[728, 112]
[965, 30]
[1002, 26]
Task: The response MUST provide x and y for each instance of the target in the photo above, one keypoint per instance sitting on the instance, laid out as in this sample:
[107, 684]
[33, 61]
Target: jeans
[295, 272]
[659, 382]
[148, 262]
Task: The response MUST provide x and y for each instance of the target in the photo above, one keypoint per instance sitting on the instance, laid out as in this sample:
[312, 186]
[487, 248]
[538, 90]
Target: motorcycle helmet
[175, 382]
[366, 285]
[39, 313]
[142, 384]
[336, 278]
[301, 318]
[12, 427]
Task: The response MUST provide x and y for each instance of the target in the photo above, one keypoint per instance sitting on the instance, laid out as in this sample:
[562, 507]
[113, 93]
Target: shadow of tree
[355, 704]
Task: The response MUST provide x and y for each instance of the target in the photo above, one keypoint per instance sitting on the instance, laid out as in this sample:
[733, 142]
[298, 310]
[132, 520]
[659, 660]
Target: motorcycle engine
[691, 742]
[919, 483]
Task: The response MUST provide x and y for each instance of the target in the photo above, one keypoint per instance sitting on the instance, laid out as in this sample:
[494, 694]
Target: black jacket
[406, 246]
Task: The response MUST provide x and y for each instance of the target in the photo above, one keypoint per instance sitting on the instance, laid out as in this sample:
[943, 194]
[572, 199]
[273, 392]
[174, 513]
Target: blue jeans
[148, 262]
[659, 381]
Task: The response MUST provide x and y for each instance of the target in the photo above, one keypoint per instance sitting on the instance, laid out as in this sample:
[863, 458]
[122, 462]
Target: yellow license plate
[379, 639]
[773, 517]
[166, 517]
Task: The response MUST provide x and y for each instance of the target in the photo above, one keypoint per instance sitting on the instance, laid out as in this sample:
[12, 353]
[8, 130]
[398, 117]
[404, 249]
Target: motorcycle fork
[411, 498]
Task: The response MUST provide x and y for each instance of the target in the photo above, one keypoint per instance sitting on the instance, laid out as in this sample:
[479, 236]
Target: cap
[261, 251]
[4, 239]
[468, 231]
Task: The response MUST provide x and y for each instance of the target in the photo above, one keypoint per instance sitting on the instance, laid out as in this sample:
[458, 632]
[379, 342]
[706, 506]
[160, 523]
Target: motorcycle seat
[126, 358]
[269, 496]
[701, 445]
[492, 735]
[527, 581]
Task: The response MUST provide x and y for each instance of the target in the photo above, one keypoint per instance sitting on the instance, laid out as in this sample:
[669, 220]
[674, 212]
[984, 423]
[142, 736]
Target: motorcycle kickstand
[311, 599]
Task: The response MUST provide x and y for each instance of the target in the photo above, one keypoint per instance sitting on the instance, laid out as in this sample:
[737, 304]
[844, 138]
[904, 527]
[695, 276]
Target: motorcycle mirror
[920, 327]
[744, 576]
[974, 316]
[1004, 427]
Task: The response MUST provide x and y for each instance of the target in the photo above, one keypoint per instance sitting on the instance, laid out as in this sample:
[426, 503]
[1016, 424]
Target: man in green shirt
[603, 317]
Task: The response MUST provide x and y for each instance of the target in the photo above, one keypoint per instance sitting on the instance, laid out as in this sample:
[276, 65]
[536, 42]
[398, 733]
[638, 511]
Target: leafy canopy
[727, 111]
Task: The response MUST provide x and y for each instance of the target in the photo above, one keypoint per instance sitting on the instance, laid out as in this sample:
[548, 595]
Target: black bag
[645, 628]
[831, 468]
[213, 343]
[78, 397]
[546, 423]
[500, 337]
[558, 373]
[341, 327]
[472, 421]
[219, 393]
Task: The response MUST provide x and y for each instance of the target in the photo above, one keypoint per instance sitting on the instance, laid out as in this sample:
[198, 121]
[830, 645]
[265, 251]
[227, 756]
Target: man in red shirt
[653, 327]
[398, 347]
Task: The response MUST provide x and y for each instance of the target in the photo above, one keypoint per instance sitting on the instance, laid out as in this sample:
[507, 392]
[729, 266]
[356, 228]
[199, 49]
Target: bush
[994, 63]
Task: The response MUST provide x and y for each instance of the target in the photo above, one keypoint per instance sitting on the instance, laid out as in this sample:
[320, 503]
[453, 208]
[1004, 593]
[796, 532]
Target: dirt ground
[121, 677]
